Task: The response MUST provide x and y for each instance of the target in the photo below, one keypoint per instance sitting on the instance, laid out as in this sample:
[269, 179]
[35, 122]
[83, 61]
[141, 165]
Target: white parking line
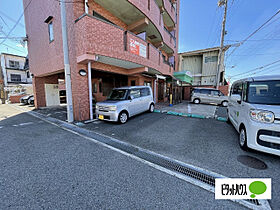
[1, 127]
[28, 123]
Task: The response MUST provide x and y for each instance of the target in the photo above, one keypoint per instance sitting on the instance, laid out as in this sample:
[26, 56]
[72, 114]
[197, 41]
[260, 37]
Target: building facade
[203, 66]
[124, 42]
[13, 70]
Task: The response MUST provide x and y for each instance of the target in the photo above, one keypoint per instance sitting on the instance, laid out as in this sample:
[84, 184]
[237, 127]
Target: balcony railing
[102, 38]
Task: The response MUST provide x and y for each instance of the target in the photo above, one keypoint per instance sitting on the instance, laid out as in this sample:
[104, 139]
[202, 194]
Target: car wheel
[228, 120]
[152, 108]
[196, 101]
[123, 117]
[224, 103]
[243, 139]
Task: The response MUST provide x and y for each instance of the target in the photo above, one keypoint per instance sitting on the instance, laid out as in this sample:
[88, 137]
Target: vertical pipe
[155, 90]
[67, 71]
[90, 91]
[86, 6]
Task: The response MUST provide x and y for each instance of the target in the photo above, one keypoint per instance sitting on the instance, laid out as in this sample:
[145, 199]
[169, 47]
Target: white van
[254, 111]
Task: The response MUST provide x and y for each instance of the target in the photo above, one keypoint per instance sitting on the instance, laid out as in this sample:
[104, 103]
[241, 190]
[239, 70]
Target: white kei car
[254, 111]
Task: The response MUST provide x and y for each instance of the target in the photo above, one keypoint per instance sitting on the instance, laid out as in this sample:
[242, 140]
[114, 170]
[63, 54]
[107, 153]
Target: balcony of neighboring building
[141, 17]
[109, 44]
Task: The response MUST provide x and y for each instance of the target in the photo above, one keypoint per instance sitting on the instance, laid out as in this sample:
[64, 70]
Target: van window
[205, 91]
[264, 92]
[135, 93]
[215, 92]
[145, 92]
[196, 91]
[237, 89]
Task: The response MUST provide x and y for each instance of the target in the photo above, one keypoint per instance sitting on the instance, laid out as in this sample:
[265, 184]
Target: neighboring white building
[203, 65]
[13, 70]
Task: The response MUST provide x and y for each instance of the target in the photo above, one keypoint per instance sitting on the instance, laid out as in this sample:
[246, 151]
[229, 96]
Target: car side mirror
[236, 98]
[130, 98]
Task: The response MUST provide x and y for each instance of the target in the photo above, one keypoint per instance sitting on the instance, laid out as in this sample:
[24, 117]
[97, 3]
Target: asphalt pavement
[206, 143]
[45, 167]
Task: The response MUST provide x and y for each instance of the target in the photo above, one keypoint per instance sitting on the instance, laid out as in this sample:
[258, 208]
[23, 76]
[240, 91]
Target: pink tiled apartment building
[127, 43]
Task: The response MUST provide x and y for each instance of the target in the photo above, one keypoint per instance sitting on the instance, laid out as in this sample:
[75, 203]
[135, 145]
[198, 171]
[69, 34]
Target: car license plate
[101, 117]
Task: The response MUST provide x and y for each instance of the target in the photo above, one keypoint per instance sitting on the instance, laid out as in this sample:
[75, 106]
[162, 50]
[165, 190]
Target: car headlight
[96, 106]
[262, 116]
[112, 108]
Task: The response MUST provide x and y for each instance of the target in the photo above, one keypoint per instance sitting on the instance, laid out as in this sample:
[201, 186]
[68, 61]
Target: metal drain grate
[156, 159]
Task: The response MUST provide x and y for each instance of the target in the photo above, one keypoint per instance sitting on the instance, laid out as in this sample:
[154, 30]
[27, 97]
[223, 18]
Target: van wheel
[228, 120]
[196, 101]
[152, 108]
[243, 139]
[224, 103]
[123, 117]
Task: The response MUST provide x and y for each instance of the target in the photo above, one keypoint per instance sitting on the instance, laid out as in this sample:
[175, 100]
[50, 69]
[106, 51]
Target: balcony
[169, 12]
[117, 47]
[133, 12]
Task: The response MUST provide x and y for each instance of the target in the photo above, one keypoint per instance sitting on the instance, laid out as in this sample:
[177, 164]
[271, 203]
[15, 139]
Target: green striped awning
[184, 76]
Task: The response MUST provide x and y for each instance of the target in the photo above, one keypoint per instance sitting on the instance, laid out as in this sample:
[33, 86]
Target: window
[15, 77]
[27, 74]
[264, 92]
[237, 89]
[145, 92]
[14, 64]
[51, 37]
[205, 91]
[209, 59]
[215, 92]
[133, 82]
[196, 91]
[135, 93]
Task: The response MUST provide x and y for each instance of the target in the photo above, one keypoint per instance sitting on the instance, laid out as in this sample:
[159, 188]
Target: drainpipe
[86, 6]
[90, 91]
[155, 90]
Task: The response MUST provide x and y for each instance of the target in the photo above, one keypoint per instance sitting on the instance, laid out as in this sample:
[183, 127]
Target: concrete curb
[197, 116]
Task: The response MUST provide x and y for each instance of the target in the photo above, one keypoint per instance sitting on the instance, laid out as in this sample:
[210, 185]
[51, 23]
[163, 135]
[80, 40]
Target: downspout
[90, 91]
[86, 6]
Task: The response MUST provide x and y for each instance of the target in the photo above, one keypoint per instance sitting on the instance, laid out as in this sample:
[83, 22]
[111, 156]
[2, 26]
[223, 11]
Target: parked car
[254, 111]
[24, 99]
[31, 100]
[208, 95]
[124, 103]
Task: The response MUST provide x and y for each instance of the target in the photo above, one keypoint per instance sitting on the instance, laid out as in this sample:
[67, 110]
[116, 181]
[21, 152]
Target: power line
[11, 19]
[17, 22]
[254, 40]
[13, 48]
[252, 34]
[255, 69]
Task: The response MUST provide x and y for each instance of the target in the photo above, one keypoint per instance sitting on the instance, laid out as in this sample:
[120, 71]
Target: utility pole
[223, 32]
[67, 71]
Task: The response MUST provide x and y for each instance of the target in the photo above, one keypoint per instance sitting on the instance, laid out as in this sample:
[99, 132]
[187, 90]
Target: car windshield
[118, 94]
[264, 92]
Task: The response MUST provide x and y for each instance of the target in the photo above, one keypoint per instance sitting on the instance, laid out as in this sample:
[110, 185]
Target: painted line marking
[28, 123]
[1, 127]
[264, 203]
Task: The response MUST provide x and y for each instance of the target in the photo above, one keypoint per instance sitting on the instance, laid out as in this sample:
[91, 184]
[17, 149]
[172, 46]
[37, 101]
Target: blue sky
[200, 25]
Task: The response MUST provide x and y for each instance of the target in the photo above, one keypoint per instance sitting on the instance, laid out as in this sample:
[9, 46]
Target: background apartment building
[124, 42]
[203, 67]
[14, 70]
